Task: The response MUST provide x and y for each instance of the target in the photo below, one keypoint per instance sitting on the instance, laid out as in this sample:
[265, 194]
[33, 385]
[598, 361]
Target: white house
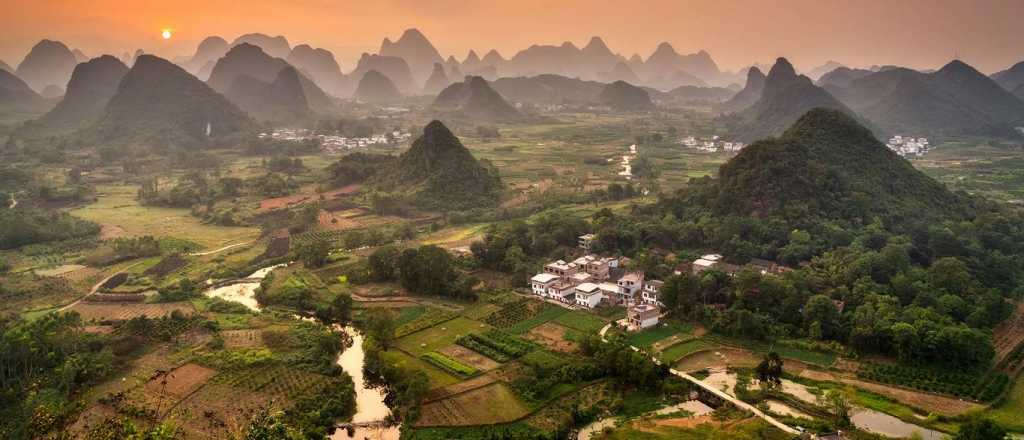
[588, 295]
[562, 290]
[650, 292]
[541, 282]
[642, 316]
[629, 287]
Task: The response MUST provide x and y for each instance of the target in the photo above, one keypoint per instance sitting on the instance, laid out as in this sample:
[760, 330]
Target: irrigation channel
[372, 418]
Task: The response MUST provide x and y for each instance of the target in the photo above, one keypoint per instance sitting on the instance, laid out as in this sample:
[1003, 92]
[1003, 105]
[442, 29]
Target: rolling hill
[475, 99]
[623, 96]
[375, 87]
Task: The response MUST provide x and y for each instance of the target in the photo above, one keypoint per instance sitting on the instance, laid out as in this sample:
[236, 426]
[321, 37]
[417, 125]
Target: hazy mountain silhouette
[472, 61]
[244, 59]
[664, 62]
[49, 62]
[92, 85]
[750, 94]
[282, 101]
[207, 53]
[1011, 79]
[475, 99]
[829, 66]
[493, 58]
[80, 56]
[5, 67]
[842, 77]
[620, 72]
[956, 99]
[376, 87]
[416, 50]
[276, 47]
[17, 100]
[623, 96]
[321, 66]
[394, 68]
[52, 92]
[437, 81]
[161, 105]
[686, 96]
[785, 98]
[548, 89]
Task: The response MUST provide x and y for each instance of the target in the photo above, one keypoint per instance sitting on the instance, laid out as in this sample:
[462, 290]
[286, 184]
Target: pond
[884, 424]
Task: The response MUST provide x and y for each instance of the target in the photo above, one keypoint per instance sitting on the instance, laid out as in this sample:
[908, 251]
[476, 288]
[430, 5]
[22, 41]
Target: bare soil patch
[720, 358]
[181, 381]
[110, 232]
[469, 357]
[283, 202]
[1009, 335]
[552, 336]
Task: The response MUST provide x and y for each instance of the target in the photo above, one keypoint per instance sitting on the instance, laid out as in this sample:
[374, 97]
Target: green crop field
[440, 335]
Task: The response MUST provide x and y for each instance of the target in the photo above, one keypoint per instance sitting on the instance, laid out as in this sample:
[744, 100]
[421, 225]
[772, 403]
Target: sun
[166, 34]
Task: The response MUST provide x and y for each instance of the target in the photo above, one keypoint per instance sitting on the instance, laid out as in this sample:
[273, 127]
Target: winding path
[200, 254]
[721, 394]
[97, 286]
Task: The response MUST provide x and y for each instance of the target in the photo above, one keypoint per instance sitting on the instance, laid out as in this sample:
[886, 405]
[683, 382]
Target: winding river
[370, 405]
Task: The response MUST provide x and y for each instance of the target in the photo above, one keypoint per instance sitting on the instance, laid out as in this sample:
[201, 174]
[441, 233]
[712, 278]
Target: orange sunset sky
[916, 33]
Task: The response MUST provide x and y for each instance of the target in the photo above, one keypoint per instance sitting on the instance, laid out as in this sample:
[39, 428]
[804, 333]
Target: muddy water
[370, 405]
[884, 424]
[781, 408]
[244, 293]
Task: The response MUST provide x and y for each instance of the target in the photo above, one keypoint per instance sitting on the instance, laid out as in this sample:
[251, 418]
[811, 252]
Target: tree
[384, 263]
[978, 428]
[821, 315]
[313, 253]
[838, 403]
[769, 371]
[380, 324]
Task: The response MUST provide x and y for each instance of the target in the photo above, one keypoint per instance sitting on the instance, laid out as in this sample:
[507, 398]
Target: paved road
[722, 394]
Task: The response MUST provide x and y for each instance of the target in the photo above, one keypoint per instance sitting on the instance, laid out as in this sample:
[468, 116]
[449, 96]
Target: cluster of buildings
[715, 261]
[333, 143]
[908, 146]
[712, 145]
[591, 280]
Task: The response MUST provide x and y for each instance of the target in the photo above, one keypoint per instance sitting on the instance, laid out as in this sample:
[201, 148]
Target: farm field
[493, 403]
[439, 336]
[100, 312]
[117, 205]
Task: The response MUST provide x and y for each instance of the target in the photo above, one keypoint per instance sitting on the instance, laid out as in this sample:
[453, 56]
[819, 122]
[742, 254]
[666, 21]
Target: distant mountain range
[92, 85]
[267, 88]
[1012, 79]
[785, 98]
[750, 93]
[437, 81]
[161, 105]
[956, 99]
[416, 50]
[47, 63]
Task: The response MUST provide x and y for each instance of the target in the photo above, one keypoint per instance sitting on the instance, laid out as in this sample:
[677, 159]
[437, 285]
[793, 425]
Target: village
[591, 281]
[908, 146]
[334, 143]
[713, 144]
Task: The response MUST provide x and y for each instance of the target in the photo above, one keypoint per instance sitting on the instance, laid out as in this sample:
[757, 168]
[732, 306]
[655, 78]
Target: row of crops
[448, 364]
[974, 386]
[273, 380]
[428, 319]
[497, 345]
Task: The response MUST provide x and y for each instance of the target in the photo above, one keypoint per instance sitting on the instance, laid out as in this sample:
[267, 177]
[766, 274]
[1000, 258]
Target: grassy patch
[581, 321]
[448, 364]
[676, 352]
[647, 337]
[439, 336]
[438, 377]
